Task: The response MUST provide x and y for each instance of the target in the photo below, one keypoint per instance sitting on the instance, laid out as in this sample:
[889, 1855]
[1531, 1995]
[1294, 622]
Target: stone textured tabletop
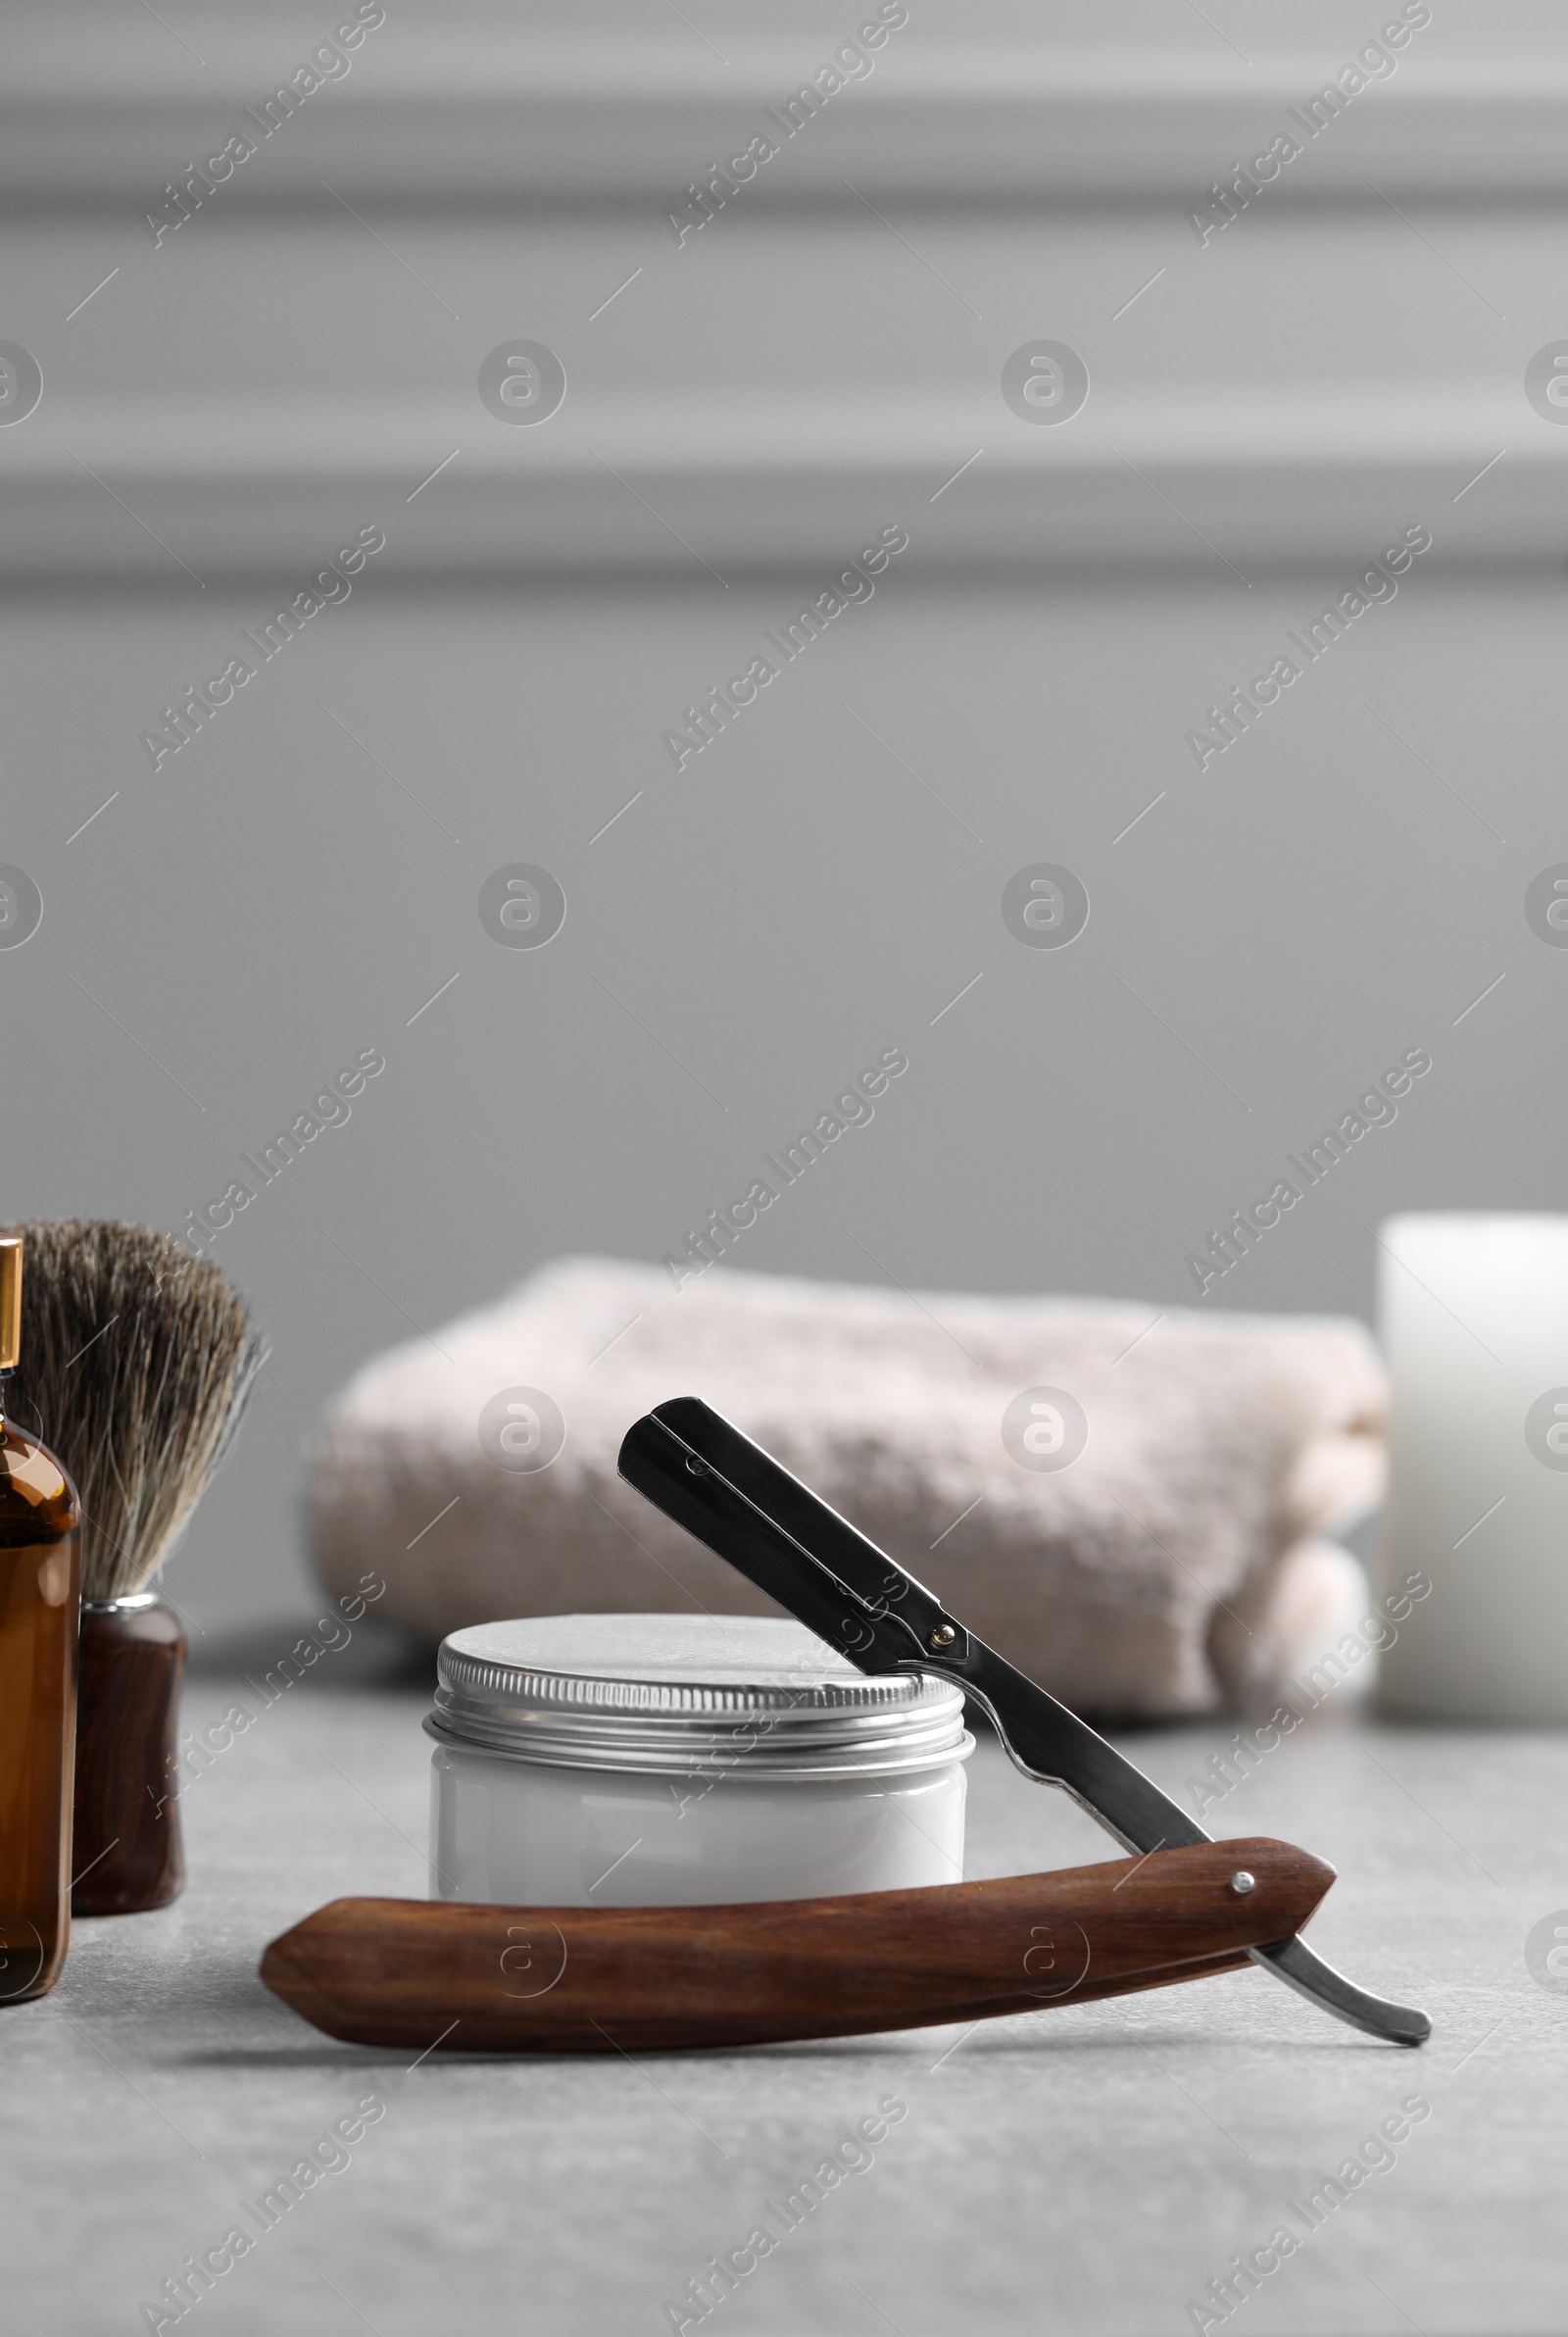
[1081, 2170]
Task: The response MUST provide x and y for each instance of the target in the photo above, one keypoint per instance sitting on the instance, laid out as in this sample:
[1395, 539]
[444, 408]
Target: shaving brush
[136, 1360]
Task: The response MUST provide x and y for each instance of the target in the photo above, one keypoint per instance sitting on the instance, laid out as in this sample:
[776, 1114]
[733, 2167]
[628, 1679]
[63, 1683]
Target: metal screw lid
[10, 1301]
[672, 1694]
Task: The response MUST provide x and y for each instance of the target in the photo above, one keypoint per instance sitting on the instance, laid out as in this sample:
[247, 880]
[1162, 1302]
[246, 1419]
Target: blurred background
[1271, 402]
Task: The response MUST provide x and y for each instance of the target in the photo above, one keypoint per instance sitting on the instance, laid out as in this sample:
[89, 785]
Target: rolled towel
[1154, 1552]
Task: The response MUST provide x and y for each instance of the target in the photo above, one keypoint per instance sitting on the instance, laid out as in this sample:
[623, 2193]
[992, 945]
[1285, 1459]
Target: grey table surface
[1079, 2170]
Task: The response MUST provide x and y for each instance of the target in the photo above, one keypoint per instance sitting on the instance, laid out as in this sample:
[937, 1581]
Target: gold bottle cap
[10, 1301]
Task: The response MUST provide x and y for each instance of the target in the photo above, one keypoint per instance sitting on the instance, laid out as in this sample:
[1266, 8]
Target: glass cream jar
[684, 1761]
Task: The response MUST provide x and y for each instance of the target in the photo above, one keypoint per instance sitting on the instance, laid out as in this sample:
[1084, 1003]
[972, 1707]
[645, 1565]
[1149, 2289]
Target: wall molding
[470, 110]
[569, 134]
[664, 492]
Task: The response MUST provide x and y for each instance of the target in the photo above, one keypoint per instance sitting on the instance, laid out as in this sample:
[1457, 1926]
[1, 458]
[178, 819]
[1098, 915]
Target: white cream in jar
[678, 1761]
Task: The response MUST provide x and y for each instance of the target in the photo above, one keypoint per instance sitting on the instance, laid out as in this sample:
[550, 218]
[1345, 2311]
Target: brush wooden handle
[411, 1972]
[128, 1853]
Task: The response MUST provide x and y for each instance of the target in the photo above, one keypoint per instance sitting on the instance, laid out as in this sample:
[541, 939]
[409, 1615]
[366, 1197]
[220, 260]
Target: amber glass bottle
[40, 1564]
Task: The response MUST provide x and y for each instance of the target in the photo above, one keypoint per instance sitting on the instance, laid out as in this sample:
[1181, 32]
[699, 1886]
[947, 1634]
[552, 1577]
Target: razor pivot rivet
[1242, 1882]
[944, 1635]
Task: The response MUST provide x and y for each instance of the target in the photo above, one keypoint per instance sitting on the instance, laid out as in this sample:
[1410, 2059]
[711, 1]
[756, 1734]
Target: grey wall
[1339, 886]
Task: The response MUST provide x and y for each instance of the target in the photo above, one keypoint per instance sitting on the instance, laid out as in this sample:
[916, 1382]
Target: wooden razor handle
[474, 1978]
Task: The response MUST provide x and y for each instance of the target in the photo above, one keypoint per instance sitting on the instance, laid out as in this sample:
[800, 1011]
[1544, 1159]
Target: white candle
[1474, 1314]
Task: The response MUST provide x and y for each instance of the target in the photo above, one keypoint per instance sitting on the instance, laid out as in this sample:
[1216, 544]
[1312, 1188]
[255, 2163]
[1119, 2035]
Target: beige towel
[1171, 1566]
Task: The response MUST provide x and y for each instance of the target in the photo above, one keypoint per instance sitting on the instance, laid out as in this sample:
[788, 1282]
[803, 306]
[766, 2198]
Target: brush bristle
[137, 1361]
